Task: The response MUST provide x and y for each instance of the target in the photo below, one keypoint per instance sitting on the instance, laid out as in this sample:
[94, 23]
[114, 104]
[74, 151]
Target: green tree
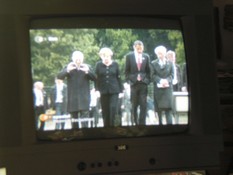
[51, 49]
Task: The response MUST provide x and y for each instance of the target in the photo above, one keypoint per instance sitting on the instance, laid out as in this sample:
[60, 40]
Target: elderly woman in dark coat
[78, 77]
[162, 76]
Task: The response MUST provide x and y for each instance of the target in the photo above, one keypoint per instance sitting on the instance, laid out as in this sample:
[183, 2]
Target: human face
[40, 85]
[170, 57]
[58, 81]
[106, 57]
[160, 55]
[139, 48]
[78, 60]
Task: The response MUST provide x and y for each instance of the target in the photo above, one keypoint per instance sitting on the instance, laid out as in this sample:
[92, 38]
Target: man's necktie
[139, 63]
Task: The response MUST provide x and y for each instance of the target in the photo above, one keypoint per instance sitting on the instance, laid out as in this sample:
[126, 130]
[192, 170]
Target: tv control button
[109, 163]
[152, 161]
[116, 163]
[81, 166]
[99, 164]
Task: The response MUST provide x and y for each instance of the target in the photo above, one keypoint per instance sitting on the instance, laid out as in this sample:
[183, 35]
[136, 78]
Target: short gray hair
[160, 49]
[76, 54]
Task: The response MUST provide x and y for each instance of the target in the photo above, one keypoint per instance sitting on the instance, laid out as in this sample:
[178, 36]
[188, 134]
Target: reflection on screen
[52, 70]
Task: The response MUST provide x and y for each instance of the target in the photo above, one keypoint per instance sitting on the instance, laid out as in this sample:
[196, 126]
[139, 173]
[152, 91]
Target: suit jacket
[131, 69]
[177, 87]
[184, 75]
[64, 95]
[108, 79]
[45, 99]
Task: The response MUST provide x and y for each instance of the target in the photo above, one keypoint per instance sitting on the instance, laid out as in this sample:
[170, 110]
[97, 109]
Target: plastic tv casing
[22, 153]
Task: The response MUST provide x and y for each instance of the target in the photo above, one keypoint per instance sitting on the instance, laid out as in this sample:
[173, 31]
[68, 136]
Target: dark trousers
[94, 114]
[168, 115]
[59, 124]
[38, 111]
[109, 105]
[139, 99]
[79, 114]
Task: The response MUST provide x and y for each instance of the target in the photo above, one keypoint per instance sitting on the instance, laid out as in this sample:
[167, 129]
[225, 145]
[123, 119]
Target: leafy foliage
[51, 49]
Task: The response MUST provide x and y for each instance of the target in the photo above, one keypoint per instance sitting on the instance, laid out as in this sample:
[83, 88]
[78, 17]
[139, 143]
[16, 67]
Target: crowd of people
[81, 91]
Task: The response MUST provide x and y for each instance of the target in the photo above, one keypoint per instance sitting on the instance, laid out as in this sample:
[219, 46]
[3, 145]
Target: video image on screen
[90, 78]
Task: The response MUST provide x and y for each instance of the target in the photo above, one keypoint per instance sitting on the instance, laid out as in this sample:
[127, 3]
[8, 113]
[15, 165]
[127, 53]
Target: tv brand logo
[121, 147]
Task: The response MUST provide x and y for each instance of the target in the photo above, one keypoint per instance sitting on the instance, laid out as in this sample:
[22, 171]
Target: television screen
[80, 93]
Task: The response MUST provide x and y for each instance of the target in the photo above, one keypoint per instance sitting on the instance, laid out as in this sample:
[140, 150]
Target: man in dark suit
[137, 73]
[59, 101]
[171, 56]
[184, 78]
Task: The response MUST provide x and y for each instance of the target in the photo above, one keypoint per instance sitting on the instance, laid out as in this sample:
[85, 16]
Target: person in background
[177, 83]
[177, 79]
[151, 115]
[94, 112]
[40, 103]
[108, 83]
[59, 101]
[162, 72]
[137, 74]
[184, 78]
[126, 104]
[78, 75]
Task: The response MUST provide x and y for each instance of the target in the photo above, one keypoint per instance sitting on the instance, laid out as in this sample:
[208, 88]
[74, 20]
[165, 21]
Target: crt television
[192, 145]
